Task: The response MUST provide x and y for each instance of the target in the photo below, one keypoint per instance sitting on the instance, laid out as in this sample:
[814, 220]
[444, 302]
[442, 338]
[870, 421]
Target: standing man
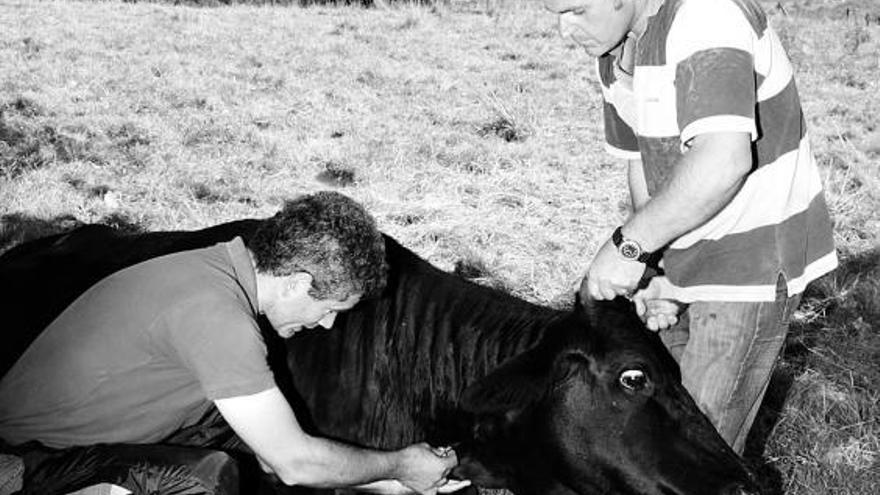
[150, 349]
[700, 100]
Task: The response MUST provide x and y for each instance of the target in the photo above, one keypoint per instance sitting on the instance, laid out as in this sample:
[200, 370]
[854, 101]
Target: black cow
[537, 400]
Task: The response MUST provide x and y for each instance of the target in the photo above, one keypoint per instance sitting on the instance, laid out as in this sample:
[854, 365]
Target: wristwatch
[631, 250]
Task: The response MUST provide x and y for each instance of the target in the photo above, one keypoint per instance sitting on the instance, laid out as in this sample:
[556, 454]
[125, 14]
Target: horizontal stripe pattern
[652, 45]
[777, 129]
[617, 133]
[655, 100]
[715, 82]
[747, 293]
[772, 67]
[702, 25]
[781, 126]
[769, 196]
[605, 69]
[663, 154]
[622, 154]
[617, 87]
[719, 123]
[757, 256]
[754, 14]
[706, 66]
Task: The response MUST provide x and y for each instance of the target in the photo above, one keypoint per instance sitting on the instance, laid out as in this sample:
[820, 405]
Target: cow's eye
[633, 379]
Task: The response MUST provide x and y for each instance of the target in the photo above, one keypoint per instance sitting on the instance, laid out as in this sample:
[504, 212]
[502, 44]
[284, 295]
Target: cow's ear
[511, 387]
[593, 311]
[585, 306]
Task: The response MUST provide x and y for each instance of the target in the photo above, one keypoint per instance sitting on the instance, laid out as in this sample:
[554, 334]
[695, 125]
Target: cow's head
[596, 407]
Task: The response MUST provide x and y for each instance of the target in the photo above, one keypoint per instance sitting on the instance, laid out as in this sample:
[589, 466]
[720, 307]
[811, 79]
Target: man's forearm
[325, 463]
[267, 424]
[638, 186]
[704, 181]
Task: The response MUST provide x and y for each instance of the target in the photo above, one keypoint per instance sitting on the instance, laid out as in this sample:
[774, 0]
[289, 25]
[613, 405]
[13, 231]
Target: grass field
[472, 135]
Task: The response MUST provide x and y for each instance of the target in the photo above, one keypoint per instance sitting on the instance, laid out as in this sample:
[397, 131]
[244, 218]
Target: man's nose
[327, 321]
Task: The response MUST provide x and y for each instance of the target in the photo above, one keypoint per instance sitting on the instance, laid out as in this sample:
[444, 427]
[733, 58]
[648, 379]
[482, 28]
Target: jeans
[727, 352]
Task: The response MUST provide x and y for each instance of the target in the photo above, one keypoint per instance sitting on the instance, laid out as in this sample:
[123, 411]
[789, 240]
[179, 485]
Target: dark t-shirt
[141, 354]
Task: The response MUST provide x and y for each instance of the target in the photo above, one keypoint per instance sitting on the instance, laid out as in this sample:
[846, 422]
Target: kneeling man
[149, 350]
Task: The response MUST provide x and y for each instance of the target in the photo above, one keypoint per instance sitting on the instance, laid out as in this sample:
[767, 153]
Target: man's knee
[219, 470]
[213, 471]
[167, 468]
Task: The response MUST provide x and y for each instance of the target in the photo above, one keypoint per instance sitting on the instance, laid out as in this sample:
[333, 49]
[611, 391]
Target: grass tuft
[124, 223]
[470, 269]
[336, 174]
[475, 269]
[504, 128]
[204, 193]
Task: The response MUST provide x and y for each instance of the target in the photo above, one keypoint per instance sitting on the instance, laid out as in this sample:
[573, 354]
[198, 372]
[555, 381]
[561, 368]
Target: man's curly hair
[330, 237]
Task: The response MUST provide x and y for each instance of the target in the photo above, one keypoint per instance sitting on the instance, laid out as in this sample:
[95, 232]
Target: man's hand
[610, 275]
[655, 304]
[424, 469]
[394, 487]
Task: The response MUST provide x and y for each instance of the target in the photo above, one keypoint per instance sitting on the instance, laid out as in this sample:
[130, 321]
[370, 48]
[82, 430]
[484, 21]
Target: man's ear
[297, 283]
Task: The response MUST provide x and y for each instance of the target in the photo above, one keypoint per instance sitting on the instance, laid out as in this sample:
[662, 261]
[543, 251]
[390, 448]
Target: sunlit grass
[471, 137]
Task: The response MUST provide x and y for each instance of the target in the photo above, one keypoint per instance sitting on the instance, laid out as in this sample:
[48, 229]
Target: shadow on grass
[833, 333]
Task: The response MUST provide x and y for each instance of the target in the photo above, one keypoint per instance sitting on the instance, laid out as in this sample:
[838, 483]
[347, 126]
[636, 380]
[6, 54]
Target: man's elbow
[298, 472]
[287, 471]
[291, 476]
[287, 477]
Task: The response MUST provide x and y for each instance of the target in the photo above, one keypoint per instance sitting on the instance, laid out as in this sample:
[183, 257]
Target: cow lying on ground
[536, 400]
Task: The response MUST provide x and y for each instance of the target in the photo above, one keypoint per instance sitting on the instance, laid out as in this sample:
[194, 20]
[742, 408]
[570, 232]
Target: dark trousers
[200, 460]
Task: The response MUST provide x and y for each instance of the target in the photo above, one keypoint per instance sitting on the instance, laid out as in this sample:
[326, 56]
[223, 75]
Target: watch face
[629, 250]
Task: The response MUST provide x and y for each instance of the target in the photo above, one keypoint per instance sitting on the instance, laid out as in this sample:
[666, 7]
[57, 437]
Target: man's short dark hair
[329, 236]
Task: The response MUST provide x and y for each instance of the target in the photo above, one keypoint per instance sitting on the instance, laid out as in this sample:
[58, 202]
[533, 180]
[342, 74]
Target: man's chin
[288, 332]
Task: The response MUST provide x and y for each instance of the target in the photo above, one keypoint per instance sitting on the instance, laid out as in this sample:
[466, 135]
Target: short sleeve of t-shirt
[711, 43]
[220, 343]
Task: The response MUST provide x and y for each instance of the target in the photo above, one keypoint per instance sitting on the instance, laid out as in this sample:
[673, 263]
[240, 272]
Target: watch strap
[648, 258]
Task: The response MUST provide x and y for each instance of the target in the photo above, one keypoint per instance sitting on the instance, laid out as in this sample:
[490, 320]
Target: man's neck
[262, 282]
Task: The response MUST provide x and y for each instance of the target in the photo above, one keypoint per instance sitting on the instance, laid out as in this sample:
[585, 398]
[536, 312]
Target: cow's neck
[456, 333]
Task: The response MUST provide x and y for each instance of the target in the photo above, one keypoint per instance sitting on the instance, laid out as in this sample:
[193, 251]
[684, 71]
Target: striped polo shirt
[716, 66]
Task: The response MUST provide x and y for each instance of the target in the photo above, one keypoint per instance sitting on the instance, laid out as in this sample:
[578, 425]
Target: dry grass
[475, 139]
[463, 133]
